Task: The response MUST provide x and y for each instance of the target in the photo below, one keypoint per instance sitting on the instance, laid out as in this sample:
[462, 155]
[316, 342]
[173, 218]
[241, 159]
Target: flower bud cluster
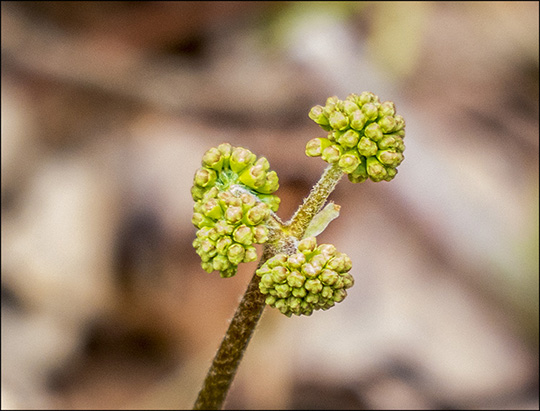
[365, 136]
[233, 199]
[313, 278]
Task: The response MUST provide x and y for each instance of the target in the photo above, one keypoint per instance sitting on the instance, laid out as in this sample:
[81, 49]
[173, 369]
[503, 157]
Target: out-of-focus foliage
[107, 109]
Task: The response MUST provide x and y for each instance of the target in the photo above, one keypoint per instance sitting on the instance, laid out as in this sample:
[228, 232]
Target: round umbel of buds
[365, 136]
[313, 278]
[233, 200]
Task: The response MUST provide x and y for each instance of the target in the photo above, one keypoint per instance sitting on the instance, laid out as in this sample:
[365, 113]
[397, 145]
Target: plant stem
[227, 359]
[315, 201]
[232, 348]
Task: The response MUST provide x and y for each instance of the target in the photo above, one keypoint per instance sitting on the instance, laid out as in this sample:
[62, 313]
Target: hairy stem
[227, 359]
[315, 201]
[232, 348]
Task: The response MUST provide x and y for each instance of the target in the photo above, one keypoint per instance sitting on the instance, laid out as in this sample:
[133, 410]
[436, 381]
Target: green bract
[365, 136]
[233, 199]
[313, 278]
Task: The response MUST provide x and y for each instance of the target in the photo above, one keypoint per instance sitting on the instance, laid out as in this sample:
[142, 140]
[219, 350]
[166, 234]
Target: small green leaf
[322, 219]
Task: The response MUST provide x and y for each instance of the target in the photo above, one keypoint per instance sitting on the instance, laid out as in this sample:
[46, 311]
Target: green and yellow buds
[365, 137]
[233, 199]
[313, 278]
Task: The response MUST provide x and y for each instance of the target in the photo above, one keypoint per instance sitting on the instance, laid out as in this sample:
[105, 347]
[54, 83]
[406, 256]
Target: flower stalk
[227, 359]
[235, 209]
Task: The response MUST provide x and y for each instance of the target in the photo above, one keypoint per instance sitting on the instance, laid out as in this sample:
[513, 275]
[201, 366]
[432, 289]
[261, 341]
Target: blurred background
[107, 108]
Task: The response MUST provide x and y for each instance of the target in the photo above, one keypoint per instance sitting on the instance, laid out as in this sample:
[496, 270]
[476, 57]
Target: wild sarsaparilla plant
[235, 208]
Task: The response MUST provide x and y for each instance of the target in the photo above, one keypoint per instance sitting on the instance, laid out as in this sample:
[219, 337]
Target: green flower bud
[206, 249]
[267, 281]
[307, 245]
[388, 142]
[306, 308]
[222, 244]
[338, 121]
[371, 111]
[316, 146]
[236, 253]
[367, 97]
[328, 250]
[318, 116]
[387, 124]
[199, 220]
[328, 277]
[271, 184]
[331, 103]
[389, 158]
[212, 234]
[339, 295]
[311, 270]
[319, 260]
[313, 285]
[348, 280]
[376, 171]
[349, 106]
[208, 267]
[229, 272]
[296, 260]
[257, 214]
[349, 161]
[228, 199]
[270, 300]
[204, 177]
[248, 201]
[260, 234]
[349, 139]
[387, 108]
[241, 158]
[197, 192]
[400, 122]
[373, 132]
[243, 235]
[296, 279]
[221, 263]
[392, 142]
[294, 304]
[360, 174]
[213, 158]
[327, 292]
[225, 149]
[332, 153]
[340, 263]
[282, 306]
[279, 274]
[254, 176]
[233, 214]
[212, 209]
[367, 147]
[283, 290]
[276, 261]
[299, 292]
[312, 299]
[391, 173]
[358, 120]
[223, 228]
[250, 255]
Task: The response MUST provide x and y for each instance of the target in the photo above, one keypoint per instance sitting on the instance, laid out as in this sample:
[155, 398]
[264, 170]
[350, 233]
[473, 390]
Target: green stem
[315, 201]
[232, 348]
